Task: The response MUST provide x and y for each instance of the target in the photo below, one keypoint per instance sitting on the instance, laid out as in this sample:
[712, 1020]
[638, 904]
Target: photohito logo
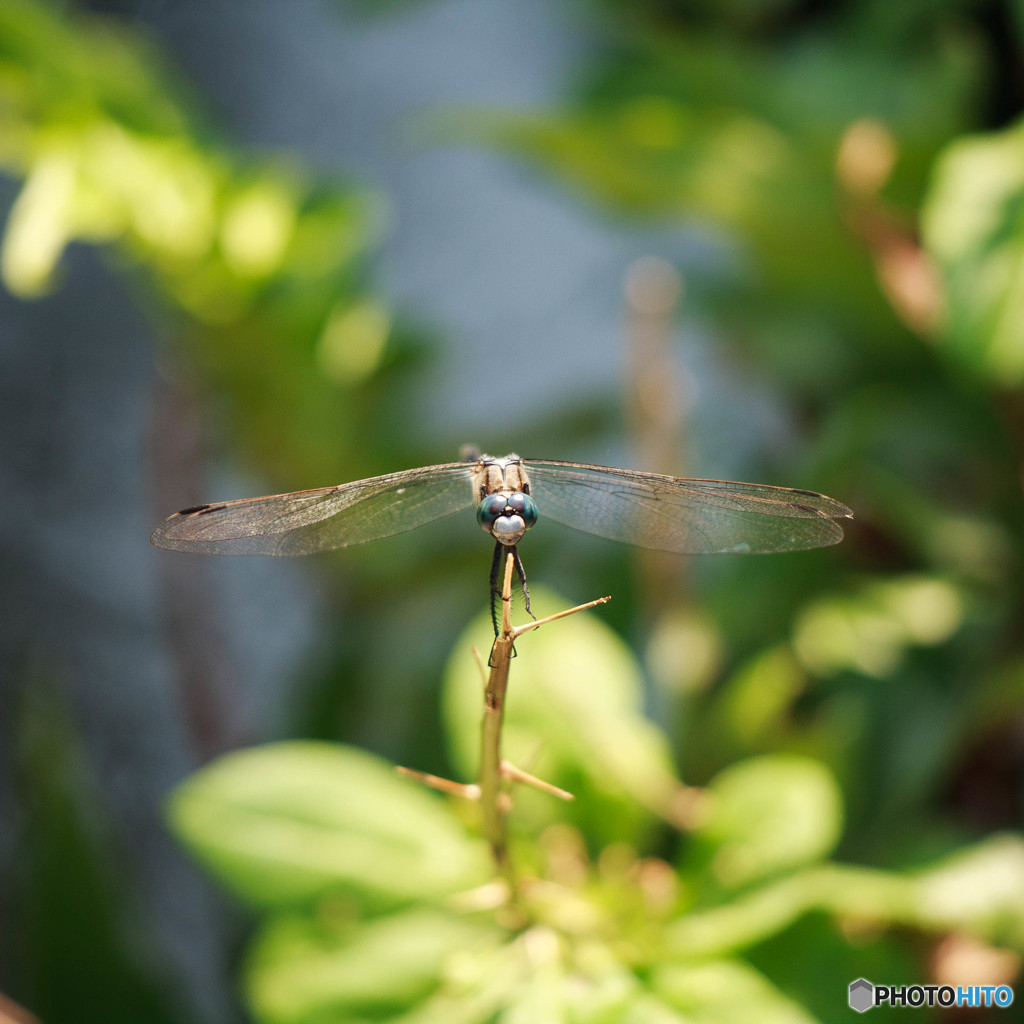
[864, 995]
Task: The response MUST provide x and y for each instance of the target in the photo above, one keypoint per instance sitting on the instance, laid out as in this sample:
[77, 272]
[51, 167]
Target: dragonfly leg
[521, 573]
[496, 566]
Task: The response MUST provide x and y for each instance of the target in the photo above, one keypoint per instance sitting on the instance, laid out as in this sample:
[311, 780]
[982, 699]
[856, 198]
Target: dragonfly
[648, 510]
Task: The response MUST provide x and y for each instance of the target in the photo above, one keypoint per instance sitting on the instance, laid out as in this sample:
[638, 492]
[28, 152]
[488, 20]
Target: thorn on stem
[468, 792]
[514, 774]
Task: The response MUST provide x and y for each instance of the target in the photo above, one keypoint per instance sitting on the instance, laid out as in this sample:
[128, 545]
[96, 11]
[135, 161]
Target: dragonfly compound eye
[488, 511]
[525, 507]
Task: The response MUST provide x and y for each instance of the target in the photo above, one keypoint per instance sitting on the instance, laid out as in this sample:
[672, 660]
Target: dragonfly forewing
[305, 522]
[686, 516]
[644, 509]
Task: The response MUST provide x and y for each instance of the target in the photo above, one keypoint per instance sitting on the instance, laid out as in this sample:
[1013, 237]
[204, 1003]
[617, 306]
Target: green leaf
[304, 971]
[744, 921]
[767, 815]
[977, 890]
[726, 992]
[871, 630]
[980, 890]
[541, 999]
[572, 715]
[286, 823]
[973, 227]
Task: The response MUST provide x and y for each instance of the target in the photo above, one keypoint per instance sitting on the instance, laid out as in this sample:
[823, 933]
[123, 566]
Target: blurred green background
[258, 247]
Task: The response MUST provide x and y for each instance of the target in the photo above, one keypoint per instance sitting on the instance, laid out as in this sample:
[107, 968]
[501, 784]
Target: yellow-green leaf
[286, 823]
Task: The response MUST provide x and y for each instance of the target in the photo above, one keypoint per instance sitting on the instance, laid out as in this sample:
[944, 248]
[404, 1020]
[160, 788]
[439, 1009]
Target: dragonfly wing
[682, 515]
[321, 519]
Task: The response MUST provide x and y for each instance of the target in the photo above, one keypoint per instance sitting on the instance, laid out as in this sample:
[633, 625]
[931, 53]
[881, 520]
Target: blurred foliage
[68, 880]
[374, 899]
[871, 287]
[847, 724]
[255, 265]
[973, 223]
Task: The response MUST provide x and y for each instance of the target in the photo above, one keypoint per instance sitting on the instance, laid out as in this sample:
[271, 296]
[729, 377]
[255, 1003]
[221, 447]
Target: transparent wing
[682, 515]
[303, 522]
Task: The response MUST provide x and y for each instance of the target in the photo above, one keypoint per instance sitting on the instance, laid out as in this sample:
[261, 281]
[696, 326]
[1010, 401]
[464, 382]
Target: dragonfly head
[506, 517]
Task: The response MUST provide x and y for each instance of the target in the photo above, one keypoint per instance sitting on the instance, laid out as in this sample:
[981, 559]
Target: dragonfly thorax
[506, 516]
[505, 476]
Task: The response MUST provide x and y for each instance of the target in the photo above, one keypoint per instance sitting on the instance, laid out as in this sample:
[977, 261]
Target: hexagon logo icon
[862, 995]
